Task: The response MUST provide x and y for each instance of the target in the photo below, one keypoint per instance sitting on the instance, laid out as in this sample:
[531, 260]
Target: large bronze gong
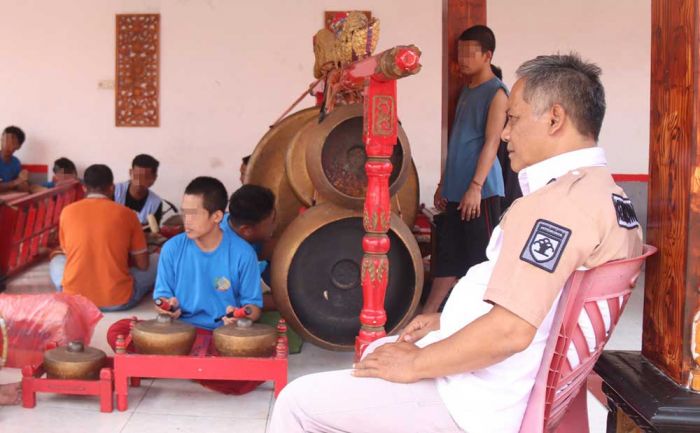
[335, 157]
[316, 275]
[344, 138]
[266, 166]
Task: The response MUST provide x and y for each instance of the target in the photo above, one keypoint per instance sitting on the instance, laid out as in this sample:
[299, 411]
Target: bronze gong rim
[346, 165]
[266, 166]
[404, 202]
[307, 225]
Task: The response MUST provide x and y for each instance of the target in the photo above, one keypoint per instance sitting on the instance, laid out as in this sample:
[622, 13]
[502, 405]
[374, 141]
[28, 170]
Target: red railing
[29, 225]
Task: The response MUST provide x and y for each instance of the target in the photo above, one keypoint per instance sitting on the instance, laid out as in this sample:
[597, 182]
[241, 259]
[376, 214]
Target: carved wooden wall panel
[138, 70]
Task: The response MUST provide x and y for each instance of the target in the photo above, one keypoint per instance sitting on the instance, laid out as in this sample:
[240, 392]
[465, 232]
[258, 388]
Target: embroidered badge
[545, 245]
[626, 216]
[222, 284]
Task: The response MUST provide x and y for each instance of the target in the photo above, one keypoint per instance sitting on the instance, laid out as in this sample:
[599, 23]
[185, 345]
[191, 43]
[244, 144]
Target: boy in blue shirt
[12, 177]
[205, 271]
[252, 217]
[63, 171]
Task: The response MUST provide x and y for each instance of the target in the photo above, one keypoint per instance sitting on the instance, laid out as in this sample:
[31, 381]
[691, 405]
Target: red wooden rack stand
[33, 382]
[198, 366]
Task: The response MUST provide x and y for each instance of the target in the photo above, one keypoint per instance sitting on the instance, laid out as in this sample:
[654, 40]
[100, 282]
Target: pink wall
[230, 67]
[228, 70]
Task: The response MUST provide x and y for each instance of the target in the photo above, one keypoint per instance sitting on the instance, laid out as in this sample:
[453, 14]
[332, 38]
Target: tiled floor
[178, 405]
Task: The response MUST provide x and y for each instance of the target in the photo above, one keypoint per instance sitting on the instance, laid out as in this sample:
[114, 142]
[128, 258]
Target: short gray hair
[567, 80]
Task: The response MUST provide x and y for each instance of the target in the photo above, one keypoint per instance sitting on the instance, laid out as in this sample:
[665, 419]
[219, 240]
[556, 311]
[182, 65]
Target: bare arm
[494, 126]
[140, 260]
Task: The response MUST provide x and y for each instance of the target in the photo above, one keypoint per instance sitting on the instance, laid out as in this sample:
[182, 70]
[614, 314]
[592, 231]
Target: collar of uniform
[538, 175]
[96, 195]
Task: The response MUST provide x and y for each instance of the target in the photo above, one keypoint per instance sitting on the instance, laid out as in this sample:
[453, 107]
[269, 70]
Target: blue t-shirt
[467, 140]
[226, 227]
[9, 171]
[205, 283]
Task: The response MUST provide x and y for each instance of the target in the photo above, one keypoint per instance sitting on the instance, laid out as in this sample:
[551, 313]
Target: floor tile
[60, 420]
[152, 423]
[183, 397]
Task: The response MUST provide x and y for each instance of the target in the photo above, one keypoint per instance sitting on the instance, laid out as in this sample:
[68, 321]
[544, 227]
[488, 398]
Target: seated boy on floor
[63, 171]
[12, 176]
[207, 272]
[252, 217]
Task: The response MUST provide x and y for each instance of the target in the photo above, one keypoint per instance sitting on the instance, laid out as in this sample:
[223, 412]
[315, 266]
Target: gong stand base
[33, 381]
[198, 366]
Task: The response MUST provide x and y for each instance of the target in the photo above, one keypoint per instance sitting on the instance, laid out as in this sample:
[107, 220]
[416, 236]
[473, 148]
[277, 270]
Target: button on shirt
[566, 221]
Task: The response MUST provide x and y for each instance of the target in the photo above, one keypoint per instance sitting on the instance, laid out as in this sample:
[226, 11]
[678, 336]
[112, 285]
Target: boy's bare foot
[10, 394]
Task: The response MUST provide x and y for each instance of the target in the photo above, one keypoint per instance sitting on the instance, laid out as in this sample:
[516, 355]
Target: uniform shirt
[205, 283]
[10, 170]
[152, 204]
[467, 141]
[569, 218]
[97, 235]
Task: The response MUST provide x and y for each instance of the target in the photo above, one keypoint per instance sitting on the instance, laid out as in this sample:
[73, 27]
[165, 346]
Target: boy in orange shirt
[100, 238]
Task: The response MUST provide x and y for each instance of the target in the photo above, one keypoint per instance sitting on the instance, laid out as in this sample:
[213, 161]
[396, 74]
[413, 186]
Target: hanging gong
[266, 165]
[335, 157]
[316, 275]
[404, 203]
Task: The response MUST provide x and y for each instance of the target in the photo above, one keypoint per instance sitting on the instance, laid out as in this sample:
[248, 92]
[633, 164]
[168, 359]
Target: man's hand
[439, 201]
[470, 206]
[394, 362]
[421, 325]
[175, 304]
[229, 320]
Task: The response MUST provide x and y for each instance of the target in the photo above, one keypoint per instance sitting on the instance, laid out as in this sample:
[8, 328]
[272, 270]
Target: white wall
[228, 70]
[230, 67]
[615, 34]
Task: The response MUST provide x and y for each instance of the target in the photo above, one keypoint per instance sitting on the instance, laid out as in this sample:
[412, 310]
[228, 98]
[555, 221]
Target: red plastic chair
[558, 399]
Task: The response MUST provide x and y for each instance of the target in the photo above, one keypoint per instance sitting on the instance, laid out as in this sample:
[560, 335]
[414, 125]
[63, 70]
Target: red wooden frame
[34, 382]
[31, 221]
[198, 366]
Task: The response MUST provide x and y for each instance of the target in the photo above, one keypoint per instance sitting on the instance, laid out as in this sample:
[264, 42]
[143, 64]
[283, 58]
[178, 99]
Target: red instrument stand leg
[379, 135]
[198, 366]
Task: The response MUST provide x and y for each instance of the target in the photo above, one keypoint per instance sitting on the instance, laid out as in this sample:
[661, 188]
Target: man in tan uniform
[472, 367]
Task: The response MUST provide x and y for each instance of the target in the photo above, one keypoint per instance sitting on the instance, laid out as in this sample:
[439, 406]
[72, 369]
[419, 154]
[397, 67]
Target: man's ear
[131, 170]
[218, 216]
[557, 118]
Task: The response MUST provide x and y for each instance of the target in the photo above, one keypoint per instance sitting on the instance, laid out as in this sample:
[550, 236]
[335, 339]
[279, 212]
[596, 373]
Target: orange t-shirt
[97, 236]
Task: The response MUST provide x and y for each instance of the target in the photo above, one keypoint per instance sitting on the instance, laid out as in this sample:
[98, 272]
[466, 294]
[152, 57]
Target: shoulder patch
[626, 216]
[545, 245]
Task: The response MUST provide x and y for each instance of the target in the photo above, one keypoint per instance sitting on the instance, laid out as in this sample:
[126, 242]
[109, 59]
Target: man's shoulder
[579, 197]
[155, 196]
[175, 243]
[239, 245]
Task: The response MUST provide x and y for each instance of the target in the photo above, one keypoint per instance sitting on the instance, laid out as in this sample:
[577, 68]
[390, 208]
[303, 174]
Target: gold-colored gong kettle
[163, 336]
[74, 361]
[245, 339]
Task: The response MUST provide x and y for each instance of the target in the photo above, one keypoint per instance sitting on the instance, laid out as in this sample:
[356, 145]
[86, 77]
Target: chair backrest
[602, 293]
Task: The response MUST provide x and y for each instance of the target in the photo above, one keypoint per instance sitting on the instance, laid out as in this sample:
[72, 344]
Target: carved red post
[379, 135]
